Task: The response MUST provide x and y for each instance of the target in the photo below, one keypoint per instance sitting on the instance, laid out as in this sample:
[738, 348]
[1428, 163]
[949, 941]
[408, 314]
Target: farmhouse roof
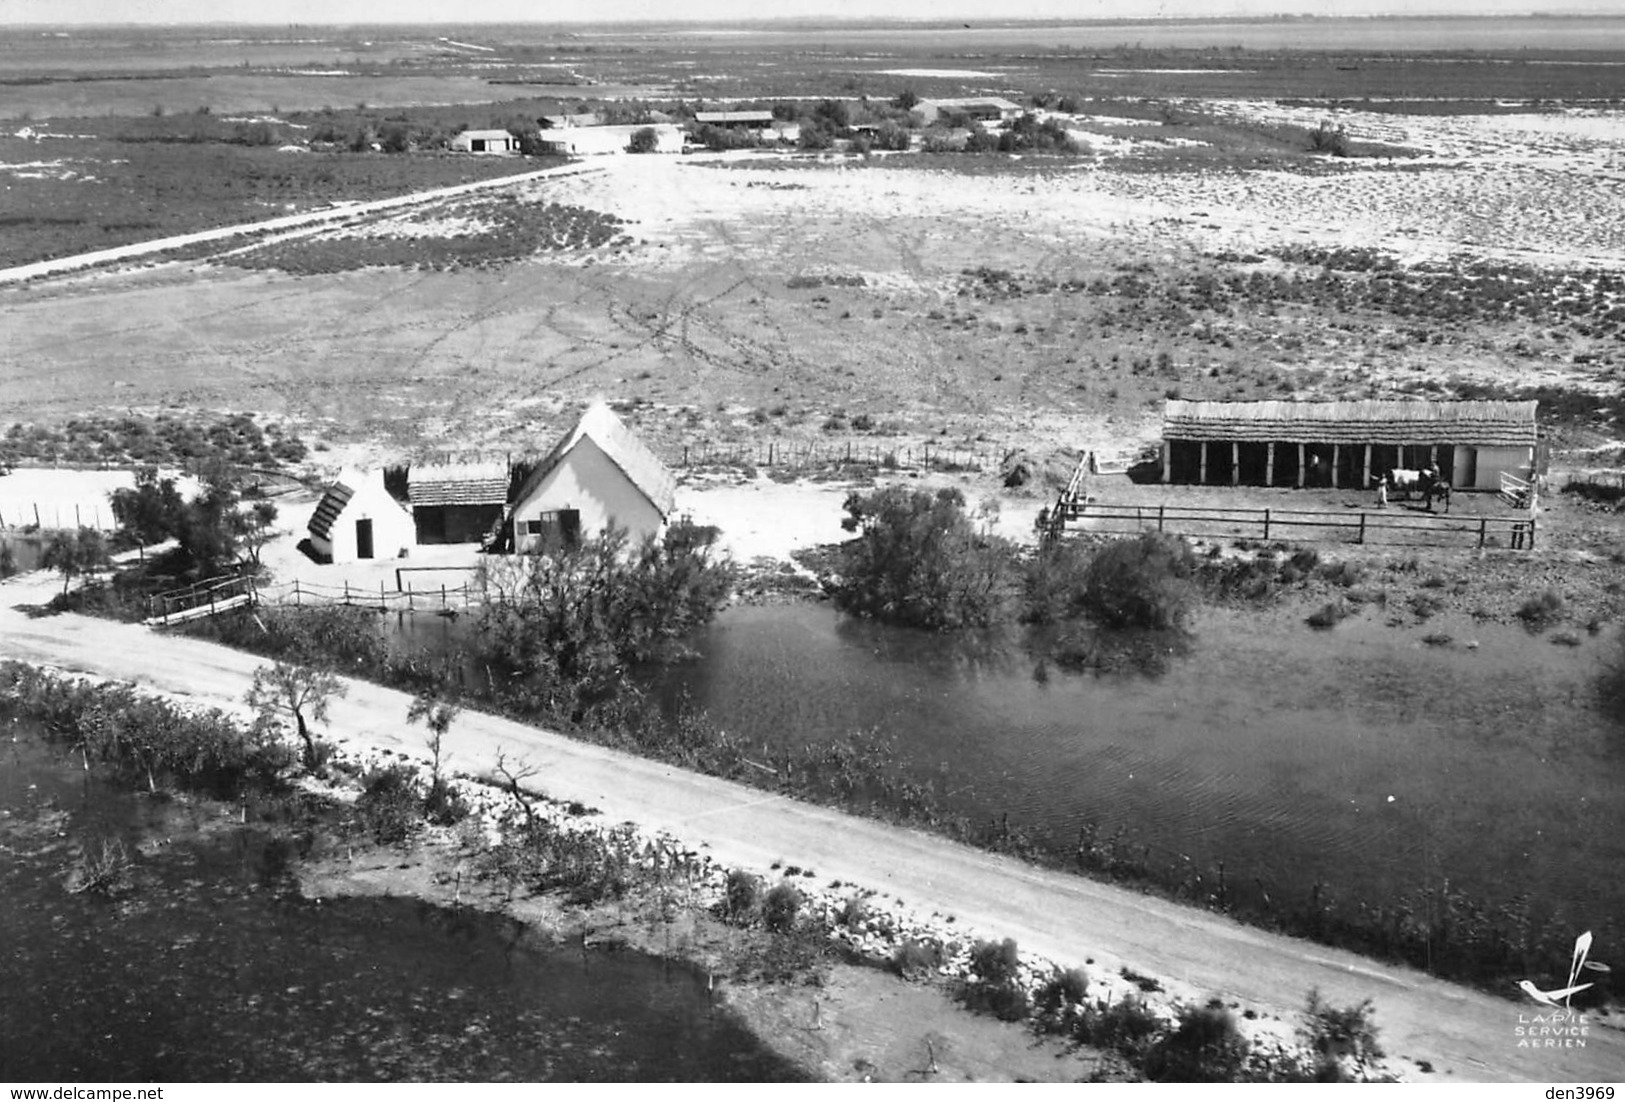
[1401, 421]
[479, 483]
[640, 465]
[733, 116]
[484, 135]
[338, 495]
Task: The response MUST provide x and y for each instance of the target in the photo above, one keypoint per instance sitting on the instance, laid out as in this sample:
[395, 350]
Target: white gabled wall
[392, 530]
[587, 480]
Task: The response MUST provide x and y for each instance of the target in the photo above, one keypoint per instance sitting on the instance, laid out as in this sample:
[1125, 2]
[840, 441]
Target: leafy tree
[906, 99]
[287, 690]
[567, 624]
[151, 511]
[75, 553]
[644, 140]
[920, 560]
[254, 527]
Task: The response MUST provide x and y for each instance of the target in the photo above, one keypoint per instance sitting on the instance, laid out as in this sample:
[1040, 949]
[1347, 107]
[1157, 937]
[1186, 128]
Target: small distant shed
[598, 474]
[982, 109]
[1279, 443]
[485, 141]
[457, 502]
[358, 519]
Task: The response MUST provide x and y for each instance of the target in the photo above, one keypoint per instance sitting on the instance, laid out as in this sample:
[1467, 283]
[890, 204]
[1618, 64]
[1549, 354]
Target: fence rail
[848, 453]
[441, 598]
[202, 599]
[49, 516]
[1304, 525]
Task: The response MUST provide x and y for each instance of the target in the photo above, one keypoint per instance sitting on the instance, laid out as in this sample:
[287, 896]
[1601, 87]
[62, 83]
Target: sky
[278, 12]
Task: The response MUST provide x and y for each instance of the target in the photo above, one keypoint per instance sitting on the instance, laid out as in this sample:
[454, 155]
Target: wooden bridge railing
[210, 593]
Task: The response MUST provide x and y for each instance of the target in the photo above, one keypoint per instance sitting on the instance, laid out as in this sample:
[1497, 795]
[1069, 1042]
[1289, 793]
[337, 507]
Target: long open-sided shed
[1346, 443]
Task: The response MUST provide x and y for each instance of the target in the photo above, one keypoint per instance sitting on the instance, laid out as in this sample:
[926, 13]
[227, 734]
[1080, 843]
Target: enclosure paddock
[1398, 527]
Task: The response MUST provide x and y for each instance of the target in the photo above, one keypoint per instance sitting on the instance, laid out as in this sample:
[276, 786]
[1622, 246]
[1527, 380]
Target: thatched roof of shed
[1484, 424]
[483, 483]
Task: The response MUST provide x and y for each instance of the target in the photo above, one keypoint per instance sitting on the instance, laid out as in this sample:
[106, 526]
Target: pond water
[26, 551]
[1359, 757]
[211, 966]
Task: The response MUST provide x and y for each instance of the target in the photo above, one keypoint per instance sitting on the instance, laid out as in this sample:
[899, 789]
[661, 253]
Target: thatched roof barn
[1346, 443]
[457, 502]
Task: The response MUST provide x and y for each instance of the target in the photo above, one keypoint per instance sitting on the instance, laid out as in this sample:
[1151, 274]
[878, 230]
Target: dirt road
[308, 219]
[1463, 1034]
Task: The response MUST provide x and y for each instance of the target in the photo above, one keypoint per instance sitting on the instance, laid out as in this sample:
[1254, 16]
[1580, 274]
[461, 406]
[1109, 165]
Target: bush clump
[390, 807]
[916, 959]
[1204, 1047]
[919, 560]
[994, 985]
[742, 896]
[780, 907]
[1542, 609]
[1142, 582]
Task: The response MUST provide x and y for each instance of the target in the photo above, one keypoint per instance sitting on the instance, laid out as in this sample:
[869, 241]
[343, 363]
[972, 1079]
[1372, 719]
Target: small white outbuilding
[358, 519]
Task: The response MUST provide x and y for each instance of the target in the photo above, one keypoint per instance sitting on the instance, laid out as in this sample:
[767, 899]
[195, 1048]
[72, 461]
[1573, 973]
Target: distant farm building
[485, 141]
[358, 519]
[1346, 443]
[982, 109]
[597, 474]
[586, 141]
[457, 502]
[728, 120]
[559, 122]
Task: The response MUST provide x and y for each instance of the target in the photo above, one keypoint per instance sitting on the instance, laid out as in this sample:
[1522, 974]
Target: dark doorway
[363, 539]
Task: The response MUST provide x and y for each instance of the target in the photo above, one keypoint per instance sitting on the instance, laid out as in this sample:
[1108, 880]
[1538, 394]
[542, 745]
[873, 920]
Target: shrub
[389, 806]
[1060, 1001]
[1053, 582]
[1340, 1037]
[1141, 582]
[1204, 1047]
[1329, 614]
[1542, 609]
[780, 908]
[1127, 1027]
[1326, 138]
[919, 560]
[994, 986]
[916, 959]
[644, 140]
[742, 896]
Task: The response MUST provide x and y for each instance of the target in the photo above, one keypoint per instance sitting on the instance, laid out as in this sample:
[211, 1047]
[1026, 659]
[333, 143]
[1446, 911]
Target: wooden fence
[848, 453]
[1397, 526]
[55, 516]
[441, 598]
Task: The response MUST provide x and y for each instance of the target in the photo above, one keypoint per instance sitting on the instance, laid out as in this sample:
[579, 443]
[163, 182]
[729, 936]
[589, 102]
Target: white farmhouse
[599, 473]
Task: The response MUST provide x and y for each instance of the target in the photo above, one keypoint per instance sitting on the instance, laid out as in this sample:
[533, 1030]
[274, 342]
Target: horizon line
[1599, 12]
